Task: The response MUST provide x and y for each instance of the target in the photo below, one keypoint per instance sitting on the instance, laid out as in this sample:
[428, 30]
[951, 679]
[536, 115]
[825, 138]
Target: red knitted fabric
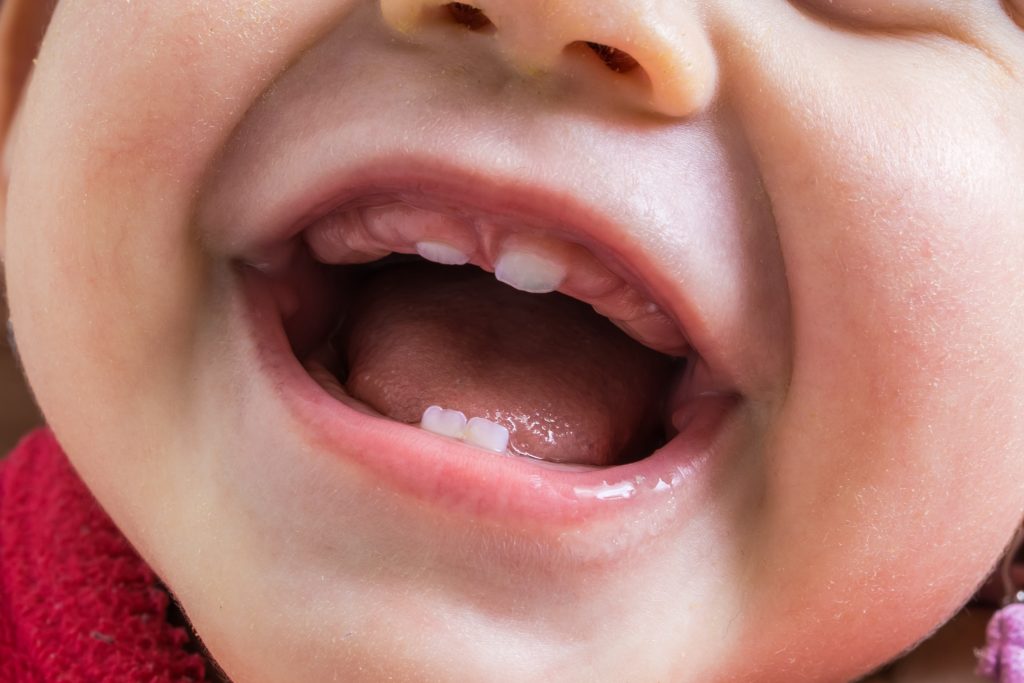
[76, 602]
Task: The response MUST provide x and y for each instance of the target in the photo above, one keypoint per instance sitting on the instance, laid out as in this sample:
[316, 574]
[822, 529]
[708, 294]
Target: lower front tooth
[486, 434]
[444, 422]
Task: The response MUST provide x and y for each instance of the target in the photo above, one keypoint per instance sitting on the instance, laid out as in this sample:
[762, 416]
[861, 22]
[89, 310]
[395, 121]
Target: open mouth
[494, 337]
[462, 355]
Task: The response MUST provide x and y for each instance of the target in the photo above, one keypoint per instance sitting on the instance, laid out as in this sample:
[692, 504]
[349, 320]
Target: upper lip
[272, 223]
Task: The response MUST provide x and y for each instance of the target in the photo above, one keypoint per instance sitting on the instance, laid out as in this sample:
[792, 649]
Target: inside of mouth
[453, 350]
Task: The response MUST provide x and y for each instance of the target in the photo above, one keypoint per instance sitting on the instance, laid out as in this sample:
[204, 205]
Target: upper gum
[368, 233]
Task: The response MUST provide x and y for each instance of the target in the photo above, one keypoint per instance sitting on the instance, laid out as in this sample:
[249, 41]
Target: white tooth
[444, 422]
[442, 253]
[487, 434]
[529, 272]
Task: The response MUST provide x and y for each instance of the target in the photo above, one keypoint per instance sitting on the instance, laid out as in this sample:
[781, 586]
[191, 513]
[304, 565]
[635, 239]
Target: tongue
[567, 384]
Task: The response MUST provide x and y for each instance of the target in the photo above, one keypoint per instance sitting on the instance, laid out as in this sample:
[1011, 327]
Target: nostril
[615, 59]
[471, 17]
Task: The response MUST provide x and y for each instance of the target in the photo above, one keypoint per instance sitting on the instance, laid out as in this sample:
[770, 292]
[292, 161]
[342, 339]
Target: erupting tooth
[444, 422]
[442, 253]
[486, 434]
[529, 272]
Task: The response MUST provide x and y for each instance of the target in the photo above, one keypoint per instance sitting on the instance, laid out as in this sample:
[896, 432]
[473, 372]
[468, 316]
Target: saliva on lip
[493, 437]
[628, 488]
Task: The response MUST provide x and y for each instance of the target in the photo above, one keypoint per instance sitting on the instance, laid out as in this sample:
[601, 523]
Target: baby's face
[808, 216]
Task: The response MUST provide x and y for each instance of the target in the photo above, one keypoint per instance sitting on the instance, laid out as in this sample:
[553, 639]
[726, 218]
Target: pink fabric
[1002, 659]
[76, 602]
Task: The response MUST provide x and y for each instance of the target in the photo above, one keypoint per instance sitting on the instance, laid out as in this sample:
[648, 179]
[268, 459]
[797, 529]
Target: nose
[660, 42]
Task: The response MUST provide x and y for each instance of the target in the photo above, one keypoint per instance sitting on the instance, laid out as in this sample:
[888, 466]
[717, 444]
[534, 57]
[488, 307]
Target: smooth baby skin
[835, 187]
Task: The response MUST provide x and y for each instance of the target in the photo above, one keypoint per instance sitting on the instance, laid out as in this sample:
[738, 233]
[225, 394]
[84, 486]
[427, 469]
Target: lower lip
[470, 481]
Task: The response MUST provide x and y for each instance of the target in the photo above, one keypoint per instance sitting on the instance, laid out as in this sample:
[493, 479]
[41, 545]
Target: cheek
[894, 461]
[127, 105]
[906, 260]
[901, 221]
[897, 461]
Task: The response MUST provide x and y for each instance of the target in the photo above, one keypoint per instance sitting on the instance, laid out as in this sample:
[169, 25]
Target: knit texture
[1003, 657]
[76, 602]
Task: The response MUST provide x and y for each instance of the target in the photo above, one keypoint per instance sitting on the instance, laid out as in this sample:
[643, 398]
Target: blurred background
[18, 413]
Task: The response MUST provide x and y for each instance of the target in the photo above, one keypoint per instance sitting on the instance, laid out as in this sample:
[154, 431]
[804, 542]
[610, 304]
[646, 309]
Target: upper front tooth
[487, 434]
[530, 272]
[442, 253]
[444, 422]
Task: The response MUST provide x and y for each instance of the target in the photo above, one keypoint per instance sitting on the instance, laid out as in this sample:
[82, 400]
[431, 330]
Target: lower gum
[330, 384]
